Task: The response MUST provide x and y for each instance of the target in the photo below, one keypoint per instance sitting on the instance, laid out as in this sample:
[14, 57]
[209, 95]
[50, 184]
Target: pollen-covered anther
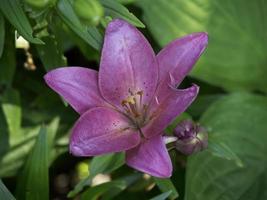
[133, 105]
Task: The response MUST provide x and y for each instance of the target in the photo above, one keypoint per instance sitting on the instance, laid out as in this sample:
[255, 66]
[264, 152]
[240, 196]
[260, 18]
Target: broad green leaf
[99, 164]
[8, 60]
[166, 185]
[202, 103]
[2, 34]
[33, 183]
[162, 196]
[126, 1]
[117, 10]
[239, 121]
[90, 35]
[218, 148]
[14, 13]
[94, 193]
[51, 54]
[12, 110]
[4, 192]
[235, 58]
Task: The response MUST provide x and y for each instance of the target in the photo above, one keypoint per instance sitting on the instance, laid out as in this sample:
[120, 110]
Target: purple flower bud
[192, 138]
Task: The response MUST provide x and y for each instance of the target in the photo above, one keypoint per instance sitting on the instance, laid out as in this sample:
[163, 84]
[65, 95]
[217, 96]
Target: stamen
[134, 107]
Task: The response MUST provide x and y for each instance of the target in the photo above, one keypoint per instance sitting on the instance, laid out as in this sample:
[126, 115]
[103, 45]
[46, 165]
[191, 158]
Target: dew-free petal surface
[151, 157]
[102, 130]
[165, 110]
[128, 64]
[178, 58]
[77, 85]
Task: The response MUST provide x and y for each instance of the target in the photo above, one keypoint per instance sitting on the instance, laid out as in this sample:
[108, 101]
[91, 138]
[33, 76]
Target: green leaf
[99, 164]
[176, 121]
[162, 196]
[237, 37]
[8, 60]
[202, 103]
[90, 35]
[19, 149]
[4, 193]
[4, 137]
[21, 145]
[94, 193]
[2, 34]
[220, 149]
[166, 185]
[13, 12]
[106, 163]
[12, 110]
[117, 10]
[34, 183]
[239, 121]
[51, 54]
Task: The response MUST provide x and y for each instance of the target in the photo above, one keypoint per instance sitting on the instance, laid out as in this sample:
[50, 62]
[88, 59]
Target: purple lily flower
[130, 101]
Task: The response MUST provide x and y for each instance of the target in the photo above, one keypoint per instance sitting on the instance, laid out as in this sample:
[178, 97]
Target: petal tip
[115, 25]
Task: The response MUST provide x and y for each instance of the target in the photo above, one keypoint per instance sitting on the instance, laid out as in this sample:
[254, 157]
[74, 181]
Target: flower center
[135, 109]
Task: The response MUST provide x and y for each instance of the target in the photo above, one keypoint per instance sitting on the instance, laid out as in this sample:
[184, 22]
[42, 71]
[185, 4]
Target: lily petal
[77, 85]
[102, 130]
[128, 64]
[151, 157]
[178, 58]
[165, 109]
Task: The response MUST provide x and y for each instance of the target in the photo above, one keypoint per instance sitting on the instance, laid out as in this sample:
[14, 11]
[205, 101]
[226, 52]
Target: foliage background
[232, 105]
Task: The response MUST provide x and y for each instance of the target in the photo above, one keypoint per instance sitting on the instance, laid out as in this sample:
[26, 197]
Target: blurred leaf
[19, 148]
[14, 13]
[220, 149]
[21, 145]
[202, 103]
[126, 1]
[4, 137]
[51, 54]
[128, 180]
[176, 121]
[2, 34]
[90, 12]
[237, 37]
[8, 59]
[162, 196]
[99, 164]
[166, 185]
[239, 121]
[12, 110]
[89, 34]
[117, 10]
[106, 163]
[4, 193]
[34, 183]
[94, 193]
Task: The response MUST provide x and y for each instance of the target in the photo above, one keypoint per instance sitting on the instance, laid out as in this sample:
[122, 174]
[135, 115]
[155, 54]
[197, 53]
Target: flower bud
[89, 11]
[192, 138]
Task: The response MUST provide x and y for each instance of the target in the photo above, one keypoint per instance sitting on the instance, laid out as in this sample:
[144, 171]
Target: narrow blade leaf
[117, 10]
[14, 13]
[34, 183]
[4, 192]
